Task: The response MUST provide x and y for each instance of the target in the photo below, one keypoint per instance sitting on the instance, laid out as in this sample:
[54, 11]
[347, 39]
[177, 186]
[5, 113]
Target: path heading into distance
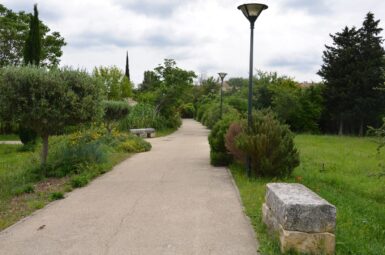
[166, 201]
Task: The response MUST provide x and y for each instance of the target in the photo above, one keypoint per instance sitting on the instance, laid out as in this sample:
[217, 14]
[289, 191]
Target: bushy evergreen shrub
[269, 144]
[230, 141]
[218, 153]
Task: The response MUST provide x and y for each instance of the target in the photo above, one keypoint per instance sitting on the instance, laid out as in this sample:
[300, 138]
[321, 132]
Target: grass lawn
[9, 138]
[21, 192]
[344, 171]
[165, 132]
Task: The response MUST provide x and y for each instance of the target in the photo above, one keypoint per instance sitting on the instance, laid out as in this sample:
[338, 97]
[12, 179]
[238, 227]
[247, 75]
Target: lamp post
[251, 12]
[222, 75]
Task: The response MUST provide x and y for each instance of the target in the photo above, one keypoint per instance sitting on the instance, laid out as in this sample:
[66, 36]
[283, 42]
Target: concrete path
[166, 201]
[10, 142]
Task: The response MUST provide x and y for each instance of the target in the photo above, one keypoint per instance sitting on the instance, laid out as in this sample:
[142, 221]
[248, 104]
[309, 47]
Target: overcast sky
[206, 36]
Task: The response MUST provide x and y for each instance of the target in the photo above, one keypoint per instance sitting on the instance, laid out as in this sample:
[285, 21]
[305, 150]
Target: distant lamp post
[251, 12]
[222, 75]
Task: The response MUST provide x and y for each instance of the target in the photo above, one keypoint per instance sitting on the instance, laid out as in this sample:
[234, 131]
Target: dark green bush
[56, 196]
[269, 144]
[218, 153]
[27, 136]
[188, 110]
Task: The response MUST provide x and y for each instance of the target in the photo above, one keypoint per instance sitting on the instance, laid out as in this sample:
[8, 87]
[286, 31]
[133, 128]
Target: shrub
[135, 144]
[230, 141]
[188, 110]
[218, 153]
[114, 111]
[27, 136]
[56, 196]
[269, 144]
[142, 116]
[212, 114]
[27, 188]
[79, 181]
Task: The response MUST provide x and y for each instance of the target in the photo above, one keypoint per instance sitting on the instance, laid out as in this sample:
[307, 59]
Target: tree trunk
[341, 128]
[361, 131]
[44, 151]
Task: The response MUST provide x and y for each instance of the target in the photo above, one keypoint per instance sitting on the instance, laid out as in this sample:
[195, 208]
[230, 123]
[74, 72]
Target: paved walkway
[166, 201]
[10, 142]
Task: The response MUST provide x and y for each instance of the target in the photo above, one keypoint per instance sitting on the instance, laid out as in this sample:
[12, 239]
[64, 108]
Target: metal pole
[221, 98]
[250, 96]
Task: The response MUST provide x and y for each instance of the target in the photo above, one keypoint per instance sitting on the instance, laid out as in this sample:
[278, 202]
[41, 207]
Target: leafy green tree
[116, 85]
[48, 101]
[14, 29]
[150, 82]
[32, 49]
[175, 85]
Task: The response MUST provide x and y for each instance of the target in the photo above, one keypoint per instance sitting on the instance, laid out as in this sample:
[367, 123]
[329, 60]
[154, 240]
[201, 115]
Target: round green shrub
[219, 155]
[269, 144]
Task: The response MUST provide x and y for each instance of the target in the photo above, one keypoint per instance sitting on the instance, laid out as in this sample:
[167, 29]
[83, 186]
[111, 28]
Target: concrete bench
[303, 221]
[144, 132]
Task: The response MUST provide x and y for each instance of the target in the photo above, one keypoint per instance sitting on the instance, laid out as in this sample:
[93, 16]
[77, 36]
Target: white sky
[206, 36]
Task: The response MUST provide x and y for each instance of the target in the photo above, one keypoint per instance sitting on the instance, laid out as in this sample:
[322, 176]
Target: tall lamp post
[251, 12]
[222, 75]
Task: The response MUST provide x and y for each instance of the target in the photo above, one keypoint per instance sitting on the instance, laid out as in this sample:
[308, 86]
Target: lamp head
[222, 75]
[252, 11]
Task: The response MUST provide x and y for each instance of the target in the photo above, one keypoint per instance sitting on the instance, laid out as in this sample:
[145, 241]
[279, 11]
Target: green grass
[165, 132]
[19, 196]
[344, 171]
[9, 137]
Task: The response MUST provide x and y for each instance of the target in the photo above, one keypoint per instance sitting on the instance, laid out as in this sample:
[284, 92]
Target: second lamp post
[222, 75]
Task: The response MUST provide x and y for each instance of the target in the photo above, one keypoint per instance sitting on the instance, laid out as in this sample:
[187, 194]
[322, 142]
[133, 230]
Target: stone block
[271, 222]
[297, 208]
[308, 243]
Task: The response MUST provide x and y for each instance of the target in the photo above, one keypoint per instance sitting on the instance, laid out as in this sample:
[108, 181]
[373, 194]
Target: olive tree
[46, 101]
[114, 111]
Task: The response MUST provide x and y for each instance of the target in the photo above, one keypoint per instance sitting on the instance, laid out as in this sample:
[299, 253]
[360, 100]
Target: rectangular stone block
[270, 221]
[308, 243]
[297, 208]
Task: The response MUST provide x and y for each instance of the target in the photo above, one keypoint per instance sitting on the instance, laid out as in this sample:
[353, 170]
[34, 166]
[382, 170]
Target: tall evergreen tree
[32, 49]
[369, 101]
[339, 71]
[127, 73]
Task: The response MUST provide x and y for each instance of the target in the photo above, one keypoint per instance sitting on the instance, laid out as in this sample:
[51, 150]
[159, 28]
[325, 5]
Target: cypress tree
[32, 49]
[127, 73]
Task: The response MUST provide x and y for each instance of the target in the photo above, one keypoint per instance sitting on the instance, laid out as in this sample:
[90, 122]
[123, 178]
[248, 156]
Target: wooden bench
[144, 132]
[303, 221]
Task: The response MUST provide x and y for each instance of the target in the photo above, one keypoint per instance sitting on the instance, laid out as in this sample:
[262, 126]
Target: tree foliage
[14, 29]
[353, 71]
[116, 85]
[47, 101]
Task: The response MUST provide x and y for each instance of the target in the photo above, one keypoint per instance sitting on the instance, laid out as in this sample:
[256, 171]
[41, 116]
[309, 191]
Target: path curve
[166, 201]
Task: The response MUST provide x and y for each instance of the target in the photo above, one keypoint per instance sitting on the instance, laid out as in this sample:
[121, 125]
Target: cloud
[317, 7]
[303, 63]
[151, 8]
